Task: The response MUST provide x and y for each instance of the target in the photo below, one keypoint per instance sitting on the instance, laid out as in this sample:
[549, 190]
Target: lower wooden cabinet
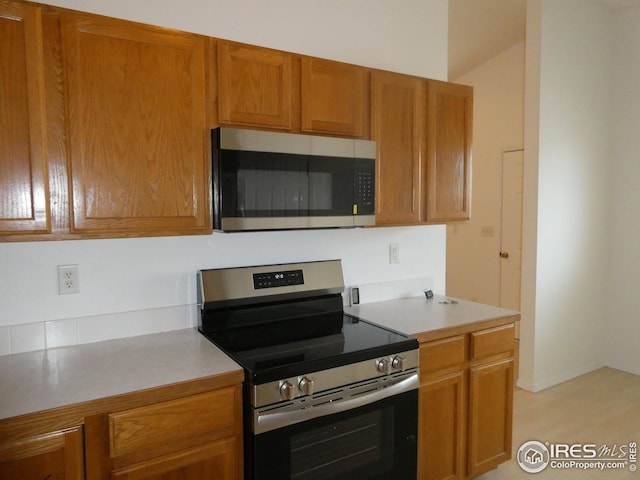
[195, 437]
[466, 403]
[441, 434]
[53, 456]
[149, 435]
[216, 460]
[490, 416]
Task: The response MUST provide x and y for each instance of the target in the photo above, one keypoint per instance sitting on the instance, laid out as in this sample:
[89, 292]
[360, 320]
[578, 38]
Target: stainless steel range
[326, 395]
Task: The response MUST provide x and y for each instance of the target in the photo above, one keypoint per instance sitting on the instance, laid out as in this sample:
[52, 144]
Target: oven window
[326, 452]
[377, 441]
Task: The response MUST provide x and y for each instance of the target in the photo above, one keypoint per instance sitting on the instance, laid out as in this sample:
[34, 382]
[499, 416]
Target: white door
[511, 234]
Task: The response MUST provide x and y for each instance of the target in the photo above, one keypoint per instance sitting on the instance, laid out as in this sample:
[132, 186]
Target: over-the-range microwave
[272, 181]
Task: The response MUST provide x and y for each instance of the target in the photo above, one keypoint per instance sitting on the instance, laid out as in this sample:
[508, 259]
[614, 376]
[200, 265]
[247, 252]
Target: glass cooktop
[349, 340]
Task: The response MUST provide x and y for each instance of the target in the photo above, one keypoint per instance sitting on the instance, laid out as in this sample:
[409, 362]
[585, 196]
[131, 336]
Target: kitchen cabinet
[448, 151]
[423, 134]
[258, 87]
[466, 403]
[24, 182]
[397, 123]
[443, 393]
[137, 137]
[56, 456]
[334, 98]
[197, 436]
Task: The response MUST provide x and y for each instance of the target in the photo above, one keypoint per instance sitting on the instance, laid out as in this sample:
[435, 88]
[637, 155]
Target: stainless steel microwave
[273, 181]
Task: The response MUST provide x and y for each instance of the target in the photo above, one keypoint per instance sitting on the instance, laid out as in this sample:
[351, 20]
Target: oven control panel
[277, 279]
[311, 383]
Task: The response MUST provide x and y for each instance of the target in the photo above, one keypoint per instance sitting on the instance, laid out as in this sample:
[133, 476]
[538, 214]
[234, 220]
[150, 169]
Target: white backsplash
[74, 331]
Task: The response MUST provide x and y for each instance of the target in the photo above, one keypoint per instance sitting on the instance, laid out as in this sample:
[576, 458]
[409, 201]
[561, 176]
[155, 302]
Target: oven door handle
[264, 422]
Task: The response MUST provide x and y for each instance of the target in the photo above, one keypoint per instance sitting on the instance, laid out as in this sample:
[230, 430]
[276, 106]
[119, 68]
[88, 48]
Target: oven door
[377, 440]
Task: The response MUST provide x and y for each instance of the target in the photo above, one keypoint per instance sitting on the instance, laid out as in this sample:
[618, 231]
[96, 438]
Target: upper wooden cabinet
[423, 134]
[397, 123]
[257, 86]
[137, 137]
[24, 189]
[448, 143]
[334, 98]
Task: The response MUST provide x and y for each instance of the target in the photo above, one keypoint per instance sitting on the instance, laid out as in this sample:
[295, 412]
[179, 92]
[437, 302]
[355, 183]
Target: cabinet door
[216, 460]
[441, 428]
[256, 86]
[448, 147]
[334, 98]
[490, 416]
[55, 456]
[397, 109]
[137, 129]
[24, 190]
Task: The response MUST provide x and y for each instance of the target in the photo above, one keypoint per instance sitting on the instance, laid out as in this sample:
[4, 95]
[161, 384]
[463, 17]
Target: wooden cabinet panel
[256, 86]
[334, 98]
[442, 354]
[167, 422]
[493, 341]
[55, 456]
[397, 106]
[490, 416]
[441, 440]
[448, 150]
[212, 461]
[136, 120]
[24, 189]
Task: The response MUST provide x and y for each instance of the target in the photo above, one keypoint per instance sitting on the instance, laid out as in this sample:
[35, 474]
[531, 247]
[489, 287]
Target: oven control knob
[382, 365]
[287, 391]
[398, 363]
[306, 385]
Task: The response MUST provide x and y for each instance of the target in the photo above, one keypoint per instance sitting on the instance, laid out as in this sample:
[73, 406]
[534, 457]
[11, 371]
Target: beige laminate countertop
[431, 319]
[46, 379]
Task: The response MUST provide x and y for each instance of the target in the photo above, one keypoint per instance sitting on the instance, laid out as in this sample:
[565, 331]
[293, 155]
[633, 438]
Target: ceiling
[481, 29]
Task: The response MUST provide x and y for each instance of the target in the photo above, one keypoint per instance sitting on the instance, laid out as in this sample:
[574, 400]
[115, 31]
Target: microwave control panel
[365, 191]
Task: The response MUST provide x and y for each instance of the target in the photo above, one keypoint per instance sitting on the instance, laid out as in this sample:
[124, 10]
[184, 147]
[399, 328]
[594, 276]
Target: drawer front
[145, 427]
[441, 354]
[493, 341]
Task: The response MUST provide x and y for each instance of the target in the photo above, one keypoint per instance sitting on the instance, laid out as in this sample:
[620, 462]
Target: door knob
[504, 254]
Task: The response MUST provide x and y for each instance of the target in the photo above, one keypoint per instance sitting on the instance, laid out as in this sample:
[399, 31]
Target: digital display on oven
[277, 279]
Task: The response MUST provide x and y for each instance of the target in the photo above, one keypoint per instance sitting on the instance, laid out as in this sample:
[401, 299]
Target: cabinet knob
[504, 254]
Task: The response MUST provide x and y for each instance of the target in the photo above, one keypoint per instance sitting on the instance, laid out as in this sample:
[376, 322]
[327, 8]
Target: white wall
[623, 325]
[567, 139]
[473, 265]
[154, 277]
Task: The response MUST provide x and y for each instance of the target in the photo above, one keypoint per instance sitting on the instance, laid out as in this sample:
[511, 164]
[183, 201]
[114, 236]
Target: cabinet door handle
[504, 254]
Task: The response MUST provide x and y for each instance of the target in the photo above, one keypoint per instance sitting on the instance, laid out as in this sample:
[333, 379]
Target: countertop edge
[73, 415]
[472, 326]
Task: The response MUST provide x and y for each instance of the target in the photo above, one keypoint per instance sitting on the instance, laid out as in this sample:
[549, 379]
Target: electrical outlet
[394, 253]
[68, 280]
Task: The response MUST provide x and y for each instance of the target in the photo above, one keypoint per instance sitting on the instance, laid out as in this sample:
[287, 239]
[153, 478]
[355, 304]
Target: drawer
[493, 341]
[442, 354]
[166, 422]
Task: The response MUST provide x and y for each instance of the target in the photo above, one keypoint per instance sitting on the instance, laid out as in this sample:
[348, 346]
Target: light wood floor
[601, 407]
